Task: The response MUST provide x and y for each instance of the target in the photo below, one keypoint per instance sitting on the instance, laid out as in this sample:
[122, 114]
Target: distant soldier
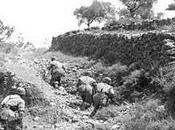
[105, 87]
[103, 93]
[57, 71]
[86, 87]
[13, 109]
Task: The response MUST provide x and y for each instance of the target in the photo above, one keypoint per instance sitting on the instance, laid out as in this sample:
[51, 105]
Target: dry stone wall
[145, 25]
[150, 50]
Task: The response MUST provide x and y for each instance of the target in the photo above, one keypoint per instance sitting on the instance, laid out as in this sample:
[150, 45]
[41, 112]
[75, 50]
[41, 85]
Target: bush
[166, 87]
[147, 117]
[116, 72]
[130, 83]
[136, 85]
[8, 48]
[138, 25]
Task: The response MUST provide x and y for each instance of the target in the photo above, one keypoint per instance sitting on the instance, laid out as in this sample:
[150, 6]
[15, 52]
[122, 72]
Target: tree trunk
[88, 24]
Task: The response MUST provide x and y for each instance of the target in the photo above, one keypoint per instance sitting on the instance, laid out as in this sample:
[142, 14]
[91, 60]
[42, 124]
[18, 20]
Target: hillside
[151, 49]
[140, 64]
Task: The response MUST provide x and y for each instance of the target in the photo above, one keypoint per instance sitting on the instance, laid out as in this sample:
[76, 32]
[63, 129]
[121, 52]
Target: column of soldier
[92, 93]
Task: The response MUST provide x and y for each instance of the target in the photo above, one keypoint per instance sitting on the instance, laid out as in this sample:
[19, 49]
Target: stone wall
[150, 50]
[145, 25]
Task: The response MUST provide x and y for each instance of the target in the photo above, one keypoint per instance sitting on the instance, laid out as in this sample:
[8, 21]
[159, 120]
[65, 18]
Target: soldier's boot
[94, 111]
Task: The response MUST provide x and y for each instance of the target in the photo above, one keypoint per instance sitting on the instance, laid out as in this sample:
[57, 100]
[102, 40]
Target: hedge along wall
[145, 25]
[151, 50]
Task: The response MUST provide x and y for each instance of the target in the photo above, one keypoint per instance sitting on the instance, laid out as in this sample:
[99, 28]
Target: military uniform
[104, 92]
[57, 71]
[104, 87]
[100, 99]
[12, 112]
[86, 90]
[86, 80]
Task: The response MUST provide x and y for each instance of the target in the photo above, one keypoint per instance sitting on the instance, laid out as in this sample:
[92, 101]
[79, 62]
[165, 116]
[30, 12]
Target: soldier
[104, 92]
[86, 87]
[105, 87]
[12, 109]
[57, 71]
[100, 99]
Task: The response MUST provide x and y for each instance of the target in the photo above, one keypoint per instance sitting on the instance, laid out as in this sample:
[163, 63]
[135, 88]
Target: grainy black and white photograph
[87, 65]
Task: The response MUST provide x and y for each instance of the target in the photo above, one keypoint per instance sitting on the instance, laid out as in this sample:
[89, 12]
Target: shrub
[149, 115]
[136, 85]
[8, 48]
[140, 25]
[115, 72]
[145, 116]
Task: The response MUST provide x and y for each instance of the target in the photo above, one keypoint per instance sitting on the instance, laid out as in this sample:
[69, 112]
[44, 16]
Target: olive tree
[171, 6]
[97, 11]
[5, 31]
[141, 9]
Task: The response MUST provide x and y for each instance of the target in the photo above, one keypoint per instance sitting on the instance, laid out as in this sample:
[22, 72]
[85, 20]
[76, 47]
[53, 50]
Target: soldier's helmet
[107, 80]
[53, 58]
[21, 91]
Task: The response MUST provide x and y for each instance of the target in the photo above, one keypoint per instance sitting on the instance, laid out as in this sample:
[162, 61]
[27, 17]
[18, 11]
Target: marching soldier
[86, 87]
[12, 109]
[57, 71]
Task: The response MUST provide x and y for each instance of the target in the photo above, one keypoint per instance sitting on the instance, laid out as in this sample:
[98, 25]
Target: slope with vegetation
[141, 65]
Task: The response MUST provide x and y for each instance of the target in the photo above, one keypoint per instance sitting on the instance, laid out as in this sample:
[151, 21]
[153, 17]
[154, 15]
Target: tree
[5, 31]
[97, 11]
[159, 15]
[137, 9]
[171, 6]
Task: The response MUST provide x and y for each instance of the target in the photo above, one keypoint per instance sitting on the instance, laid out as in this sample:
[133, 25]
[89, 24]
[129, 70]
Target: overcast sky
[41, 19]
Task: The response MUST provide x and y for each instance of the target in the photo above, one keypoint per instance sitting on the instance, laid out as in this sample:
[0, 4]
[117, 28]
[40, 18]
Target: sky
[40, 20]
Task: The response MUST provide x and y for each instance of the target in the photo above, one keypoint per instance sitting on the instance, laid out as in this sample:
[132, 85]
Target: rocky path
[63, 113]
[67, 105]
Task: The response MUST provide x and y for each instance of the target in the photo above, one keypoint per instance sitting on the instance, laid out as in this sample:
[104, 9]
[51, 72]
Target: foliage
[159, 15]
[148, 116]
[116, 72]
[166, 80]
[137, 85]
[5, 31]
[126, 24]
[97, 11]
[171, 6]
[137, 9]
